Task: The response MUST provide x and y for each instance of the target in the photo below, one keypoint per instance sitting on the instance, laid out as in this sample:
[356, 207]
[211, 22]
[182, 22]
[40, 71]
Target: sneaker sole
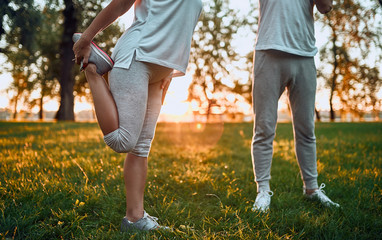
[102, 54]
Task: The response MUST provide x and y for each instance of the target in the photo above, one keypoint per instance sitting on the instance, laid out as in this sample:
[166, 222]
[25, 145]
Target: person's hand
[165, 84]
[82, 51]
[324, 6]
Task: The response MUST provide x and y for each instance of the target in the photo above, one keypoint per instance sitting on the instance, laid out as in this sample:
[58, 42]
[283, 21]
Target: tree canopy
[352, 55]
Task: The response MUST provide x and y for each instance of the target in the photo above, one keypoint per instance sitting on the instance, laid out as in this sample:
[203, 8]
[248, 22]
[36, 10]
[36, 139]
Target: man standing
[284, 58]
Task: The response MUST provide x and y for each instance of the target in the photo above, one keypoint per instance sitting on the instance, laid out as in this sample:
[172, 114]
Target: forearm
[107, 16]
[324, 6]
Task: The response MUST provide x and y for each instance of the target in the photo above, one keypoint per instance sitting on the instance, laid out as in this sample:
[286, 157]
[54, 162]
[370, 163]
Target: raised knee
[120, 140]
[121, 147]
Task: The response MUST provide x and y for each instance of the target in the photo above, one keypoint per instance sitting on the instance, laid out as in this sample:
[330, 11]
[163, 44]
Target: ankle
[310, 191]
[133, 215]
[263, 186]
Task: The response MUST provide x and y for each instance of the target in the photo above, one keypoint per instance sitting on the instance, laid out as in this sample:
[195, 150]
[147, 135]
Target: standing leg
[130, 91]
[134, 172]
[302, 92]
[267, 89]
[302, 100]
[135, 166]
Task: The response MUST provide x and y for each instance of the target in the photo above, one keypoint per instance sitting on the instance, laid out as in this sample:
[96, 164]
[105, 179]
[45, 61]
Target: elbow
[325, 10]
[324, 6]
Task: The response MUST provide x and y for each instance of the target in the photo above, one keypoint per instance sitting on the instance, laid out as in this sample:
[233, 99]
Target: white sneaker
[263, 200]
[146, 223]
[319, 195]
[97, 56]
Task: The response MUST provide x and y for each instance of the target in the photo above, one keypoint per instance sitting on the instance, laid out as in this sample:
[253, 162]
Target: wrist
[86, 37]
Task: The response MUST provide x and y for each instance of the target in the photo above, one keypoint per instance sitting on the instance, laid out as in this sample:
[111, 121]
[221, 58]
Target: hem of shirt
[288, 50]
[154, 61]
[161, 63]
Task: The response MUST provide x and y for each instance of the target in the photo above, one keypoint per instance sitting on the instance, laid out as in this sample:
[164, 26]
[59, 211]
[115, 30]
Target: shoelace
[267, 193]
[321, 188]
[154, 219]
[321, 193]
[263, 194]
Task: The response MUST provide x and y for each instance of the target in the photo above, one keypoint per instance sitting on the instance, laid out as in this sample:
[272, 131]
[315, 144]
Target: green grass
[60, 181]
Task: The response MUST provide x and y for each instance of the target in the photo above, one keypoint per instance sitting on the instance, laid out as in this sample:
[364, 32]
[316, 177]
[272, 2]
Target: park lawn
[60, 181]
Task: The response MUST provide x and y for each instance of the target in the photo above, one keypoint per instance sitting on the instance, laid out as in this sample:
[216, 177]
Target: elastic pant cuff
[311, 184]
[263, 186]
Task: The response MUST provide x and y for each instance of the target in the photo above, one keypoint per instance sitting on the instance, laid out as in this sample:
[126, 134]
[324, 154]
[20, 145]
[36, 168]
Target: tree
[20, 87]
[13, 15]
[22, 73]
[39, 50]
[48, 61]
[66, 79]
[212, 55]
[21, 46]
[355, 35]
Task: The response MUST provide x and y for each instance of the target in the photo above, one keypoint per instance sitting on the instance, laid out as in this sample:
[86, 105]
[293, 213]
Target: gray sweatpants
[138, 95]
[273, 72]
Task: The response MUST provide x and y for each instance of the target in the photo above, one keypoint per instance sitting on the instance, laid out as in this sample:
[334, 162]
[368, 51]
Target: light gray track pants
[138, 95]
[273, 72]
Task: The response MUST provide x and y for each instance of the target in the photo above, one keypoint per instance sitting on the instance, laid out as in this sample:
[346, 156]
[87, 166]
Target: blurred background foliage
[36, 42]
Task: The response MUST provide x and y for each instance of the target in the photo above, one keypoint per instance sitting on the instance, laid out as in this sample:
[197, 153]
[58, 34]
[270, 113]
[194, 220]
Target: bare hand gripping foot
[97, 56]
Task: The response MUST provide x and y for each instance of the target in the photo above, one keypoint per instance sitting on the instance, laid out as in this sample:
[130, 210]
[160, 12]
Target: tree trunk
[318, 116]
[15, 108]
[66, 110]
[332, 114]
[209, 110]
[41, 112]
[334, 74]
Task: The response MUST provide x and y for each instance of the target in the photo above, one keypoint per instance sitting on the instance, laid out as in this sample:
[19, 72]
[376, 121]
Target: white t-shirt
[288, 26]
[161, 34]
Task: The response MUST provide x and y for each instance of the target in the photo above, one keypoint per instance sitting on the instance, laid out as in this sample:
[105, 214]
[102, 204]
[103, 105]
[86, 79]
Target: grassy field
[60, 181]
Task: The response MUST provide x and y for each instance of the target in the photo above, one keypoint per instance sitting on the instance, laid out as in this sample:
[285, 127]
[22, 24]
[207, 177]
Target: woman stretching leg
[135, 168]
[135, 165]
[145, 59]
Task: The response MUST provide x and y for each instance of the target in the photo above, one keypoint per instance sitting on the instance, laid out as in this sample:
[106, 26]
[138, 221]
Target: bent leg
[130, 91]
[154, 104]
[104, 105]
